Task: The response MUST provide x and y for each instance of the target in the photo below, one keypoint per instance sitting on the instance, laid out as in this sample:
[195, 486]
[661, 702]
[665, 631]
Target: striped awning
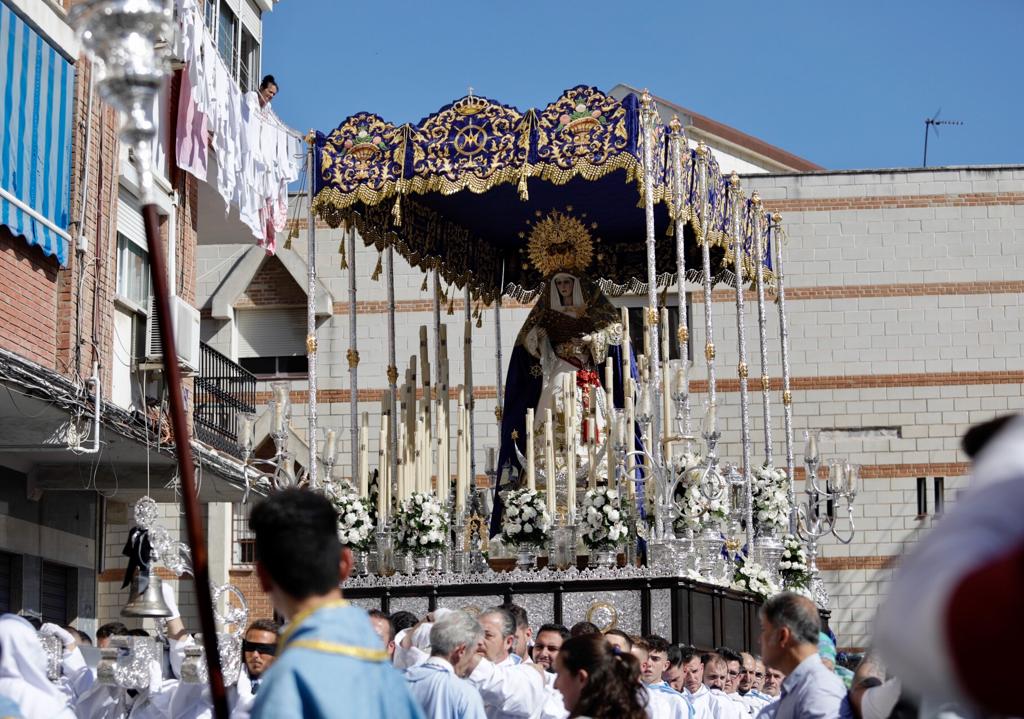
[36, 95]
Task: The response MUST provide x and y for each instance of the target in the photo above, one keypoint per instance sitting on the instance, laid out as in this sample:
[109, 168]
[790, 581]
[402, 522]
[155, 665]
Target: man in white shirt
[747, 688]
[438, 685]
[651, 675]
[716, 678]
[385, 630]
[549, 641]
[524, 634]
[510, 690]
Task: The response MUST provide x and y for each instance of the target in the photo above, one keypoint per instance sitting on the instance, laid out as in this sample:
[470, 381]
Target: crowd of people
[956, 599]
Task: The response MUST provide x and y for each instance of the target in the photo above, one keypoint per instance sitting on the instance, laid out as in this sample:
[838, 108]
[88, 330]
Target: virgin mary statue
[573, 328]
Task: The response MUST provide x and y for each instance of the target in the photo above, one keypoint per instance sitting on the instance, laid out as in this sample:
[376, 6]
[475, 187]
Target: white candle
[570, 442]
[531, 458]
[444, 479]
[364, 456]
[666, 404]
[679, 381]
[330, 446]
[626, 351]
[609, 419]
[549, 461]
[383, 473]
[647, 333]
[630, 436]
[663, 334]
[278, 427]
[461, 460]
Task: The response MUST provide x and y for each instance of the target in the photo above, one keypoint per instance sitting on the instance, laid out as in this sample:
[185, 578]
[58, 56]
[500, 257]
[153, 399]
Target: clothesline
[256, 152]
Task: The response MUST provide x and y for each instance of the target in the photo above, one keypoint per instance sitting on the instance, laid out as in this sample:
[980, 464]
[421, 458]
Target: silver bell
[146, 599]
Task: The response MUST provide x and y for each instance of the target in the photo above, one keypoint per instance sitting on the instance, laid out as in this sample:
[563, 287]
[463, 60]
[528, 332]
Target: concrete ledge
[238, 279]
[21, 537]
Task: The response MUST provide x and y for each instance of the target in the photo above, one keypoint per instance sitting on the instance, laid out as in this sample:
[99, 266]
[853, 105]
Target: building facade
[83, 405]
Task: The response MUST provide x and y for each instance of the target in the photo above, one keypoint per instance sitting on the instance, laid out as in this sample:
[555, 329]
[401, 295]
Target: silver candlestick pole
[762, 319]
[842, 485]
[738, 205]
[648, 115]
[787, 394]
[683, 333]
[311, 324]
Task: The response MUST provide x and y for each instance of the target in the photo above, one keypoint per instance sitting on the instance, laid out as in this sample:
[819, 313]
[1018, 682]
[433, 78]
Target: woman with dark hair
[598, 681]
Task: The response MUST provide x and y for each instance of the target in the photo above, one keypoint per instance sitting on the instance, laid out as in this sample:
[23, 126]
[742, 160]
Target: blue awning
[36, 94]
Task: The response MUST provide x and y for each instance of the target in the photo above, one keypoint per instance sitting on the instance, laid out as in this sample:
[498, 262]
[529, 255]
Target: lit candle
[531, 459]
[549, 461]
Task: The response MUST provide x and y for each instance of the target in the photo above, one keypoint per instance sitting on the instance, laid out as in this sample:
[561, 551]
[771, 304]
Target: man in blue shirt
[330, 662]
[438, 685]
[789, 643]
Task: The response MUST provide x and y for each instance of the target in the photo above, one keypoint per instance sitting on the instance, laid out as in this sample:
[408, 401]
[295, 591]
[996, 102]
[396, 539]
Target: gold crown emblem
[470, 105]
[560, 242]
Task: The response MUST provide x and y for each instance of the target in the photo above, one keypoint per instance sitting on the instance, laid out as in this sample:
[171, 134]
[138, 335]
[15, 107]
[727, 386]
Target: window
[922, 497]
[637, 305]
[57, 592]
[227, 37]
[243, 541]
[249, 63]
[272, 342]
[940, 495]
[210, 15]
[132, 272]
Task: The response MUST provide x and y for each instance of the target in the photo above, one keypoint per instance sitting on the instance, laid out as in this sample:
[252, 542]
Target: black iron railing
[224, 390]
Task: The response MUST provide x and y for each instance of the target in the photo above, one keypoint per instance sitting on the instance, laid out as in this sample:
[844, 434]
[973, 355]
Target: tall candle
[630, 431]
[666, 404]
[626, 351]
[383, 472]
[592, 461]
[570, 441]
[444, 480]
[461, 460]
[549, 461]
[609, 420]
[364, 456]
[663, 334]
[531, 458]
[330, 445]
[647, 333]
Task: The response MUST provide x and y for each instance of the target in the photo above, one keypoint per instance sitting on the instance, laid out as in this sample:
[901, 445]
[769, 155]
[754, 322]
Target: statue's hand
[587, 339]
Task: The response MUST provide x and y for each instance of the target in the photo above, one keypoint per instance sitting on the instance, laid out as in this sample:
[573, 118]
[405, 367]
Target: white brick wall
[831, 336]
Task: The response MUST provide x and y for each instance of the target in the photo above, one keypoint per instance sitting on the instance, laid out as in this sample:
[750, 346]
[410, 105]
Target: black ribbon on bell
[139, 552]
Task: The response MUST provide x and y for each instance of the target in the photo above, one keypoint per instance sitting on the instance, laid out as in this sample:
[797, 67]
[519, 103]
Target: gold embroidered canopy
[467, 189]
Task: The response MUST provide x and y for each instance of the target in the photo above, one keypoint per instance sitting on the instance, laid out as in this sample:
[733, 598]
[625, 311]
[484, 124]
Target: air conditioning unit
[185, 322]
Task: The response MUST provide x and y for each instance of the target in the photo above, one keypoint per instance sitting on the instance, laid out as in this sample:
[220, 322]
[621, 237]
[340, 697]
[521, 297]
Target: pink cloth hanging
[191, 144]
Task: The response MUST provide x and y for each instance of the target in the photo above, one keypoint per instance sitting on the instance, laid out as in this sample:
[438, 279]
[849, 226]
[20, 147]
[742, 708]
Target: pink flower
[595, 113]
[377, 139]
[348, 144]
[564, 119]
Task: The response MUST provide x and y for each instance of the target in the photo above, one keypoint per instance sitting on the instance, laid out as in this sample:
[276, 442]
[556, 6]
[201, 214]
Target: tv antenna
[932, 124]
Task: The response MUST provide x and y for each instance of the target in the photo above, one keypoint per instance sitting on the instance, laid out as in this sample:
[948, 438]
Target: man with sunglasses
[258, 649]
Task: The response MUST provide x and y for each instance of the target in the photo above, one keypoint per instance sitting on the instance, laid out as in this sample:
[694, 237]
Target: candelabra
[282, 464]
[841, 486]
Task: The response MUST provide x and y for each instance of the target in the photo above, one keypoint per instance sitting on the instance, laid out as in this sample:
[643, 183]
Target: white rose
[613, 516]
[529, 513]
[598, 501]
[527, 528]
[513, 511]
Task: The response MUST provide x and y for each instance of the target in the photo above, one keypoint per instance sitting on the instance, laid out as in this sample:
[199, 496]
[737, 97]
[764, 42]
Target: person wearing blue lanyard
[330, 662]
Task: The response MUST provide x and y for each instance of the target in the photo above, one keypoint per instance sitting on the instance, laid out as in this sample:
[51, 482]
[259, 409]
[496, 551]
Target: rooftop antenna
[932, 123]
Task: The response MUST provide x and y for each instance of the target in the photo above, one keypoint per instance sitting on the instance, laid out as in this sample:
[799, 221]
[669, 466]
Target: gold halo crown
[560, 242]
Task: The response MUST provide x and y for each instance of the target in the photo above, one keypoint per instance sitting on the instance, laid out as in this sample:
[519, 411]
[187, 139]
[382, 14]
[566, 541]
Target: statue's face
[565, 285]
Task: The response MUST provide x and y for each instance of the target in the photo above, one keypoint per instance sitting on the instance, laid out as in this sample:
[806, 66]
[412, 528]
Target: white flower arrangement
[771, 497]
[421, 524]
[355, 526]
[695, 508]
[752, 577]
[603, 521]
[793, 565]
[526, 522]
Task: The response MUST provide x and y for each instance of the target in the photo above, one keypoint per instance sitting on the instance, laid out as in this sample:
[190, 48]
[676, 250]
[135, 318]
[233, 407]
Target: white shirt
[516, 692]
[701, 702]
[663, 705]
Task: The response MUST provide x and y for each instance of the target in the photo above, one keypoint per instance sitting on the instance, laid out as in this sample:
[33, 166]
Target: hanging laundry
[191, 144]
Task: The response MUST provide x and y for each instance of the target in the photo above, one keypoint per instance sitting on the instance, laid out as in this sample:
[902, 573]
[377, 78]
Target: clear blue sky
[844, 84]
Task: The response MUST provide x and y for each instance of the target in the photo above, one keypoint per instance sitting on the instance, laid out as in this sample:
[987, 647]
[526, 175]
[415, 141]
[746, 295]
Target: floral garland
[771, 497]
[526, 521]
[793, 565]
[421, 524]
[752, 577]
[603, 525]
[355, 527]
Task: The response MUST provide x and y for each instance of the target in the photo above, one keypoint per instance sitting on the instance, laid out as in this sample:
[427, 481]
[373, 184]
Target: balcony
[223, 390]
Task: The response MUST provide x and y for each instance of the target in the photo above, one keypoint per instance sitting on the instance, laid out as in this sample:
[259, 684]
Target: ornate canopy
[465, 188]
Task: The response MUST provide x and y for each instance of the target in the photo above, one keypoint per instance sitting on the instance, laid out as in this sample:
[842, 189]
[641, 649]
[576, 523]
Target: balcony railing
[224, 389]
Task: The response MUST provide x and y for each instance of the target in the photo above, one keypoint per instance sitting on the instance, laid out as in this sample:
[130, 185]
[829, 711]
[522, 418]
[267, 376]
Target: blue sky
[844, 84]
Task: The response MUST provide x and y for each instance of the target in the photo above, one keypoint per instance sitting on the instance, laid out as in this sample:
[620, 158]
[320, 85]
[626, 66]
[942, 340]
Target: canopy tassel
[524, 192]
[396, 211]
[377, 270]
[344, 259]
[423, 287]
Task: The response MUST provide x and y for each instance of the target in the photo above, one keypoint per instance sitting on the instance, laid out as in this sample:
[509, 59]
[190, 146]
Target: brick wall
[905, 313]
[28, 301]
[272, 286]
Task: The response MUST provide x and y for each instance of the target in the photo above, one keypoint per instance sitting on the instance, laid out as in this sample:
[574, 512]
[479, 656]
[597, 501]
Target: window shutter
[129, 218]
[279, 332]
